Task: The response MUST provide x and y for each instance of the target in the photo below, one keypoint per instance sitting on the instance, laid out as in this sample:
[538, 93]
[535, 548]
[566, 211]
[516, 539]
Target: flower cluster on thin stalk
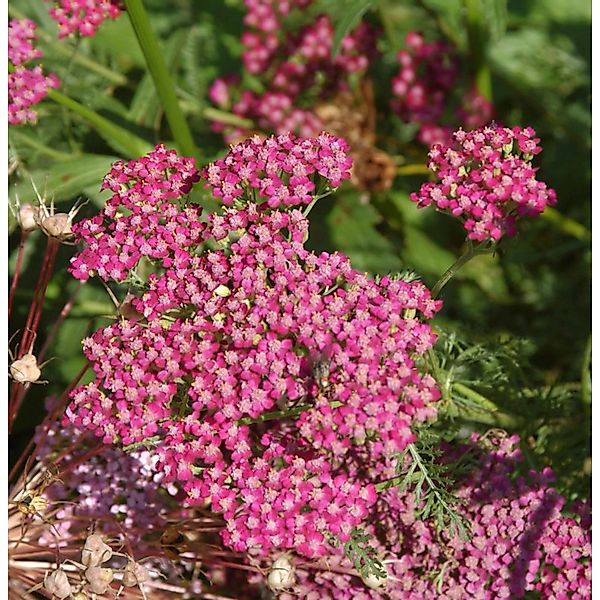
[27, 85]
[258, 369]
[486, 179]
[294, 65]
[82, 17]
[425, 85]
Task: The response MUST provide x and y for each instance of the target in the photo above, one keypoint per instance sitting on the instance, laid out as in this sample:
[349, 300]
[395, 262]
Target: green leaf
[65, 180]
[536, 62]
[352, 228]
[495, 16]
[352, 15]
[145, 105]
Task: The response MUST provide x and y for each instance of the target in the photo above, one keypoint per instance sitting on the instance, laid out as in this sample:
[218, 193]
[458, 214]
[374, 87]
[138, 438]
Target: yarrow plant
[26, 86]
[253, 416]
[256, 326]
[82, 16]
[519, 542]
[487, 180]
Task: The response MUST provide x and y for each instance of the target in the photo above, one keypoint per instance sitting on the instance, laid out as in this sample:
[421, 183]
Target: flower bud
[134, 574]
[282, 574]
[99, 579]
[95, 552]
[25, 369]
[27, 217]
[57, 584]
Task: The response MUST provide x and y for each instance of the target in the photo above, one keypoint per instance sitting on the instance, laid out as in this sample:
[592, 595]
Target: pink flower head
[83, 16]
[283, 170]
[141, 218]
[291, 66]
[20, 35]
[486, 179]
[26, 87]
[238, 320]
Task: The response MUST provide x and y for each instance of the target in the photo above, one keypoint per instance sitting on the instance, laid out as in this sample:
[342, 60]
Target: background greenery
[514, 327]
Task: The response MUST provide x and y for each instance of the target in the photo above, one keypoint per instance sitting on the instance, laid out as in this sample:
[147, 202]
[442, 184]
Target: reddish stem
[19, 390]
[35, 311]
[50, 418]
[15, 279]
[63, 315]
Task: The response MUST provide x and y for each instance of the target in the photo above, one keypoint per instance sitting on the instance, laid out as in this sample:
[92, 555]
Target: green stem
[586, 376]
[220, 116]
[490, 414]
[477, 47]
[160, 74]
[413, 170]
[132, 144]
[309, 207]
[566, 225]
[463, 259]
[482, 401]
[66, 50]
[281, 414]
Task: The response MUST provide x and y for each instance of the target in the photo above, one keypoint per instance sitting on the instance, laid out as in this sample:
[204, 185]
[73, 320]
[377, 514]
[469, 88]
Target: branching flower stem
[470, 252]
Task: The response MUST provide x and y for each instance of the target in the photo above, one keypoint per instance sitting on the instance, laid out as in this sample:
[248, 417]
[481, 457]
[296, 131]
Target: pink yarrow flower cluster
[487, 180]
[21, 33]
[281, 169]
[255, 364]
[26, 86]
[423, 87]
[82, 16]
[520, 541]
[140, 219]
[290, 64]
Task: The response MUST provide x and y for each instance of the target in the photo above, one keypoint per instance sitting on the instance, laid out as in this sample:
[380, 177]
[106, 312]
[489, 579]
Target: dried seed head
[25, 369]
[99, 579]
[134, 574]
[57, 584]
[95, 551]
[57, 226]
[282, 574]
[27, 217]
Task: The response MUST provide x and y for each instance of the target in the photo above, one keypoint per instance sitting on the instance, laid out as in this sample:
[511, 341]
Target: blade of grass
[160, 74]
